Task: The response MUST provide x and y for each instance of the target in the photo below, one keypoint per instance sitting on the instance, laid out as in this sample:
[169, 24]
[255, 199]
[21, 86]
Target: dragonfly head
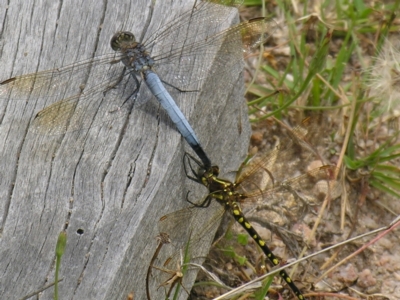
[214, 170]
[123, 40]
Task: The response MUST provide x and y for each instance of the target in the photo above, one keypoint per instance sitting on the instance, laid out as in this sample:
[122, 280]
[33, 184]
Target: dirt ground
[366, 271]
[371, 274]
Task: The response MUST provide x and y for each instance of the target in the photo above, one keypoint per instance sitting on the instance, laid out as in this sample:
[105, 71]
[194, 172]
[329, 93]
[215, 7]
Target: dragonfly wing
[213, 54]
[56, 83]
[175, 32]
[102, 103]
[292, 198]
[275, 162]
[190, 231]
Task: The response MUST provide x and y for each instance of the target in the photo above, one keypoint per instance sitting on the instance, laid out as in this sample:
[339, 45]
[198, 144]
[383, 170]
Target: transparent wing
[203, 12]
[269, 164]
[211, 54]
[292, 198]
[243, 37]
[189, 232]
[56, 83]
[93, 107]
[291, 178]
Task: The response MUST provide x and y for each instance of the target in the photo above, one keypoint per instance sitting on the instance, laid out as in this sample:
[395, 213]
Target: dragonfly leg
[187, 158]
[178, 89]
[204, 204]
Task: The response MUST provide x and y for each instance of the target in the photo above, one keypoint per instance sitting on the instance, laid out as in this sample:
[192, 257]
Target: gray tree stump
[107, 185]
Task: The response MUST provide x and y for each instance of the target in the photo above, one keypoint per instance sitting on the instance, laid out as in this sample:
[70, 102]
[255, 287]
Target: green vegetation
[341, 61]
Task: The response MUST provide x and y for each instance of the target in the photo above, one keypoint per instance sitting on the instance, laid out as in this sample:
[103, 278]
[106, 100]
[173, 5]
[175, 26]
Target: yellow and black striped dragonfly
[265, 180]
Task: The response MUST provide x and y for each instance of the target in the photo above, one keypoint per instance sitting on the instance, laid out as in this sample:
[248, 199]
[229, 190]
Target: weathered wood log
[106, 185]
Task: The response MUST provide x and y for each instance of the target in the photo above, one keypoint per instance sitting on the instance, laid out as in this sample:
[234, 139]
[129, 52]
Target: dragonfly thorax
[209, 176]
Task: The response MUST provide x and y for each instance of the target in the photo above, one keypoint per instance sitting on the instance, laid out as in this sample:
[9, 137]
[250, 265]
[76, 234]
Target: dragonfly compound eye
[122, 40]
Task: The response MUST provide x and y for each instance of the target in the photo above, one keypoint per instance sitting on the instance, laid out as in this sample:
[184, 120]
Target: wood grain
[107, 185]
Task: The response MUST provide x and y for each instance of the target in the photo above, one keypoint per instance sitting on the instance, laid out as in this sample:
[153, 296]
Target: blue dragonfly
[114, 78]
